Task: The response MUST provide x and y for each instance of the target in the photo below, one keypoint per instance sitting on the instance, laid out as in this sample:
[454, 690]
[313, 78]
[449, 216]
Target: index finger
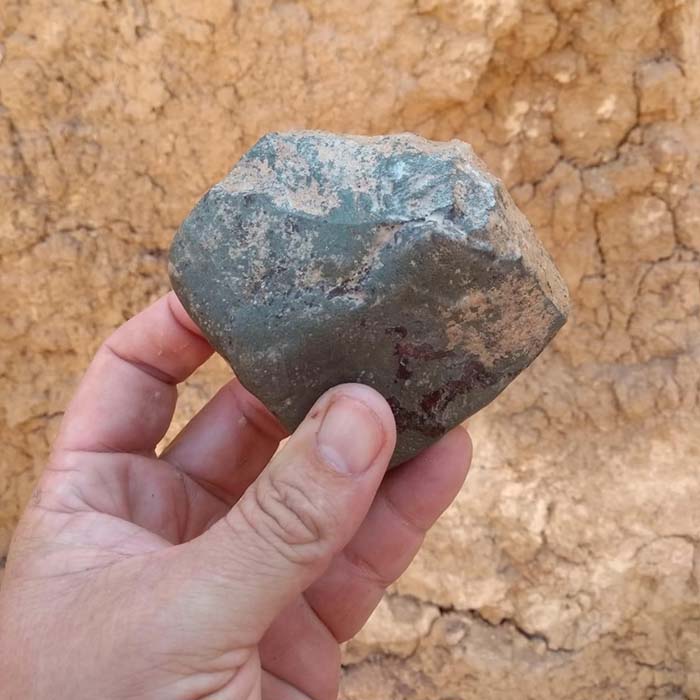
[126, 399]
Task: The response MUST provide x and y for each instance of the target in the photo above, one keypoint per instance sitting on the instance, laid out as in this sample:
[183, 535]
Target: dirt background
[569, 567]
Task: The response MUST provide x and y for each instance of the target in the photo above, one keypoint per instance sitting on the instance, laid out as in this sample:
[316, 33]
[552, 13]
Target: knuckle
[284, 516]
[368, 571]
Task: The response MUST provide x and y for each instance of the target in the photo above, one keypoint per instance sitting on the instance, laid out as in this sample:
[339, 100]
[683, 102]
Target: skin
[223, 568]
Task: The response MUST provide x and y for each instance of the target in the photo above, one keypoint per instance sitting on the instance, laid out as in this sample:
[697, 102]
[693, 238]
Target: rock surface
[569, 567]
[393, 261]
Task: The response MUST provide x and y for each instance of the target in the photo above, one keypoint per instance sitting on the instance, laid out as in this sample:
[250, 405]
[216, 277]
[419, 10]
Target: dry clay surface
[569, 567]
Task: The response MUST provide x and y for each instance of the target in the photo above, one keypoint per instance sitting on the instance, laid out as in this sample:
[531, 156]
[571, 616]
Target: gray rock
[393, 261]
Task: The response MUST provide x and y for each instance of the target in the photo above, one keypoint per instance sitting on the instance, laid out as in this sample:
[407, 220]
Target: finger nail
[351, 436]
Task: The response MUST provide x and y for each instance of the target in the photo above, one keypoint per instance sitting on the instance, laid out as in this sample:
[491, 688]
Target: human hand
[207, 572]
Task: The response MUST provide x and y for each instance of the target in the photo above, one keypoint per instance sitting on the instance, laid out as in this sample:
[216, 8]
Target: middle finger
[408, 502]
[227, 444]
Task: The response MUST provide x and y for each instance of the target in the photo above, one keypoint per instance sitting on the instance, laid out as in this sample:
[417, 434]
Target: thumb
[301, 511]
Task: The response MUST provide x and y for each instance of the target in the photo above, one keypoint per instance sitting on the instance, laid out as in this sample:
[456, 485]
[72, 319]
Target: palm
[109, 513]
[150, 506]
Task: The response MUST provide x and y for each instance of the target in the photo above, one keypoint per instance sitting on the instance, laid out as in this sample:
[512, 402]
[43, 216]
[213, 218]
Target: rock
[393, 261]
